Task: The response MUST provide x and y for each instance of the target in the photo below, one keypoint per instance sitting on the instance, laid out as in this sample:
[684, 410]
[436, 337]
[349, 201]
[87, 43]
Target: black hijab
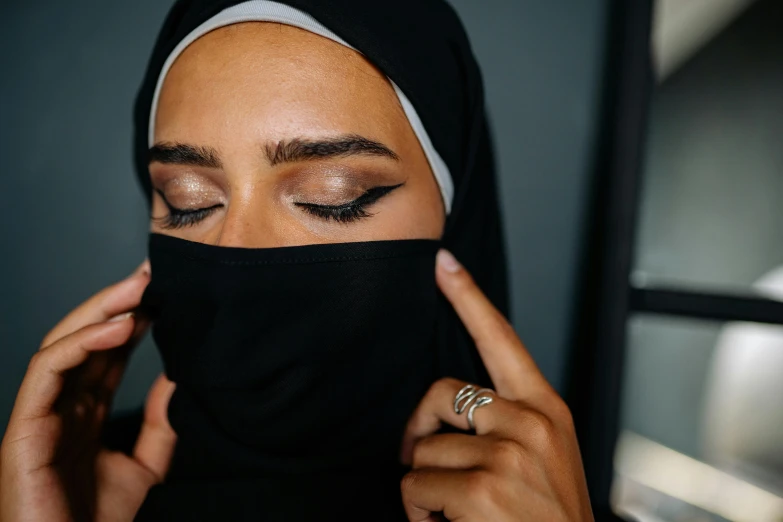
[422, 47]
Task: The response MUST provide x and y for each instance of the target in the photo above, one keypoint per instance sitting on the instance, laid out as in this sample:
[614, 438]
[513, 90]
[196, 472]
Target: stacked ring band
[470, 397]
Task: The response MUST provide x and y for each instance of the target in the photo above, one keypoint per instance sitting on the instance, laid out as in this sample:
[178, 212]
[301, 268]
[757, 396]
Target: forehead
[275, 81]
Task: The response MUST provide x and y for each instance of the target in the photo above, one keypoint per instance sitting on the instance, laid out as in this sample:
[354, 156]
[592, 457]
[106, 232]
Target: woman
[313, 170]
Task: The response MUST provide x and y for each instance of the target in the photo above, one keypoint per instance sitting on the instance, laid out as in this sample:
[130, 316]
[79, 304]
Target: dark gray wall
[73, 217]
[74, 221]
[542, 65]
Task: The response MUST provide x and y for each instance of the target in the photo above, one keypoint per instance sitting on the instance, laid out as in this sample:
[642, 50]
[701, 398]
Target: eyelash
[180, 218]
[345, 213]
[351, 211]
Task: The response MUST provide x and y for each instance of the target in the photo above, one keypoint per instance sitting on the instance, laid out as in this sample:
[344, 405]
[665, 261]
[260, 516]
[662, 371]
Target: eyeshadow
[333, 185]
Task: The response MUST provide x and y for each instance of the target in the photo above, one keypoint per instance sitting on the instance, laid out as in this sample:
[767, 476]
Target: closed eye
[181, 217]
[348, 212]
[343, 213]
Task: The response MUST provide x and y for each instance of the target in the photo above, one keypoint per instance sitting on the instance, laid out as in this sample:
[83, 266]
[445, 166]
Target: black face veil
[421, 46]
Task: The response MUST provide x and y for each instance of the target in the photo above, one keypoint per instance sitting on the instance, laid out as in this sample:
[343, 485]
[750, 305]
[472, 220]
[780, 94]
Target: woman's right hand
[52, 465]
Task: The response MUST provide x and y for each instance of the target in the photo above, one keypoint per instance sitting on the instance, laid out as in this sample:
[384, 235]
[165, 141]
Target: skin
[256, 85]
[232, 104]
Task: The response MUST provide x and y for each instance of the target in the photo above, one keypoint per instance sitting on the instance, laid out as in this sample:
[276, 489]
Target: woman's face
[268, 135]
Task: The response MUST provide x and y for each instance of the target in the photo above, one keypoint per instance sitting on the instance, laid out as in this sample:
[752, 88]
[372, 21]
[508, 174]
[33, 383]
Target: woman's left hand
[523, 463]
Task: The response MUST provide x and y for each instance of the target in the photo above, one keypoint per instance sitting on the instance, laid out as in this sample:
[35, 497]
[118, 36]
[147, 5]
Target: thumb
[157, 439]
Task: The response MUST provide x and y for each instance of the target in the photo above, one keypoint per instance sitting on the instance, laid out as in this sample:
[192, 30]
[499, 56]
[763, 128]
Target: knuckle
[561, 413]
[497, 329]
[47, 340]
[481, 489]
[509, 454]
[538, 429]
[421, 450]
[35, 362]
[409, 482]
[443, 386]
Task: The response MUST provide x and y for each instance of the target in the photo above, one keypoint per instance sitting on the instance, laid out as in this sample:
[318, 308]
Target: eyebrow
[300, 149]
[182, 154]
[284, 151]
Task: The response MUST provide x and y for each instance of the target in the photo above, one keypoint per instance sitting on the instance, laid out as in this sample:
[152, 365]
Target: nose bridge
[248, 222]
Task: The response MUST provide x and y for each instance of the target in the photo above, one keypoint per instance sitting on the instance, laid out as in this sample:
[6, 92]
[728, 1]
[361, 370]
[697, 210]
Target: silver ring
[482, 401]
[466, 391]
[466, 397]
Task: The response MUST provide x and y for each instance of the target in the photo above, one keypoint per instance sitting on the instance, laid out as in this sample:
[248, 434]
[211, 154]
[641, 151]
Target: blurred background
[642, 186]
[701, 421]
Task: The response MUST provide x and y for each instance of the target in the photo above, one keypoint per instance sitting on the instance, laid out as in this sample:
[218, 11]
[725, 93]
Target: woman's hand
[52, 466]
[523, 463]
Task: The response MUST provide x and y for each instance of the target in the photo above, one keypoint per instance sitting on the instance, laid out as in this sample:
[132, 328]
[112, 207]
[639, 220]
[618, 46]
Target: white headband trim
[268, 11]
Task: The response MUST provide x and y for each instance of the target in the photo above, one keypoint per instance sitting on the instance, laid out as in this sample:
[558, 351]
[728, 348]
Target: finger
[105, 370]
[428, 491]
[451, 451]
[43, 381]
[437, 407]
[116, 299]
[155, 445]
[116, 360]
[513, 371]
[504, 457]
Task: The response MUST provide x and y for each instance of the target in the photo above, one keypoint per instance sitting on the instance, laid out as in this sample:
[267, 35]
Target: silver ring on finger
[466, 392]
[481, 401]
[466, 396]
[469, 398]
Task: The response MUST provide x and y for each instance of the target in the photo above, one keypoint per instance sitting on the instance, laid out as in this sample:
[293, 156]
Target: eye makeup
[336, 194]
[339, 193]
[180, 218]
[189, 198]
[189, 191]
[351, 211]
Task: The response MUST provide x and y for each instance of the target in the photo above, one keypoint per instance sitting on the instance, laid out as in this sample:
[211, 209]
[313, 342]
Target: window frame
[606, 298]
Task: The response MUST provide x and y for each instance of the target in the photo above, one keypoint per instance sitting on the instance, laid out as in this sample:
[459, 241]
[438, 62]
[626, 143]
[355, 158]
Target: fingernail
[447, 261]
[143, 268]
[121, 317]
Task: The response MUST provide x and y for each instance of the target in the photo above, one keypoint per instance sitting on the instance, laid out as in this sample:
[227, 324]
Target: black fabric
[227, 319]
[291, 364]
[283, 350]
